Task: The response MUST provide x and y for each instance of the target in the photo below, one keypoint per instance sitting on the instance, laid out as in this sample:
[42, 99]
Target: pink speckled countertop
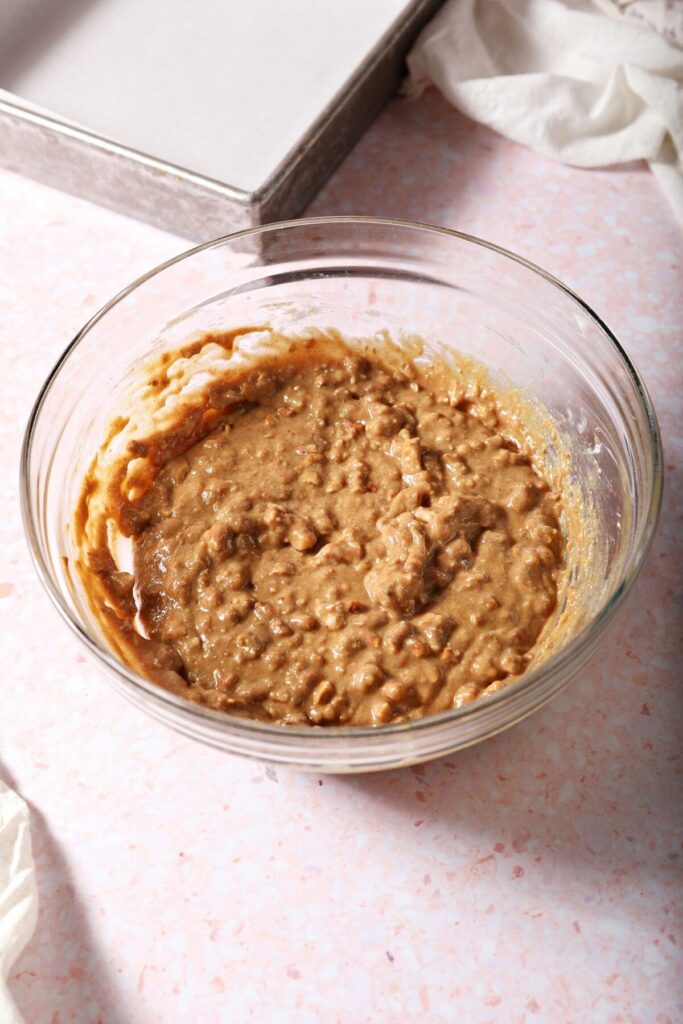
[534, 878]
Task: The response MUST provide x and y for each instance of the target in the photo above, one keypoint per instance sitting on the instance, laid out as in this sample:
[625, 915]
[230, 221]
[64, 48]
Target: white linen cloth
[18, 894]
[578, 81]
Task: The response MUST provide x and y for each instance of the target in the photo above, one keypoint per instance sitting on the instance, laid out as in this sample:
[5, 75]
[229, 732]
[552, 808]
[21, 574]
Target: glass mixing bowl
[362, 275]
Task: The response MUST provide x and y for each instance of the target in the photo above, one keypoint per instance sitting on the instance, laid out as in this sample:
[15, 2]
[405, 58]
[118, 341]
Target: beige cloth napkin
[18, 894]
[577, 80]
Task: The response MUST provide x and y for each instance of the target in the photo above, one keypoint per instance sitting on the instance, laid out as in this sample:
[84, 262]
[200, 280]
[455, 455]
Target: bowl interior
[363, 277]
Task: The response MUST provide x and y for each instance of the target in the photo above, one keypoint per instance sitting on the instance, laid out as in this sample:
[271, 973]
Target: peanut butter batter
[343, 542]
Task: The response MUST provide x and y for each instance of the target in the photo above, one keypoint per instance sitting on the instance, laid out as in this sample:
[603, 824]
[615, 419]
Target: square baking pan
[198, 116]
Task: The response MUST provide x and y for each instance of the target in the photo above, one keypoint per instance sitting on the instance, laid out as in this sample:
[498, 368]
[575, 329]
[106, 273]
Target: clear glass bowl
[361, 275]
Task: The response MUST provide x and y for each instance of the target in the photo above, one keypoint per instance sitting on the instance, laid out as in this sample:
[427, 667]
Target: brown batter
[352, 543]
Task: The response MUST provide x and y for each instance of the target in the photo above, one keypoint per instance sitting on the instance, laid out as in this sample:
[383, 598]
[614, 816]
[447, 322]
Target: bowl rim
[231, 724]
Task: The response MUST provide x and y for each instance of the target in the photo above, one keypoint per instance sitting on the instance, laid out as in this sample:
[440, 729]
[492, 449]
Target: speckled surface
[536, 877]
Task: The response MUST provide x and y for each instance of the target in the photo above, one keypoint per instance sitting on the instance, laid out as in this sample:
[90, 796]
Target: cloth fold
[18, 894]
[579, 82]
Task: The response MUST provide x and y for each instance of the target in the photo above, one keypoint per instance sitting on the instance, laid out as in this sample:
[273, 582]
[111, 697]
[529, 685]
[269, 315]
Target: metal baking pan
[198, 116]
